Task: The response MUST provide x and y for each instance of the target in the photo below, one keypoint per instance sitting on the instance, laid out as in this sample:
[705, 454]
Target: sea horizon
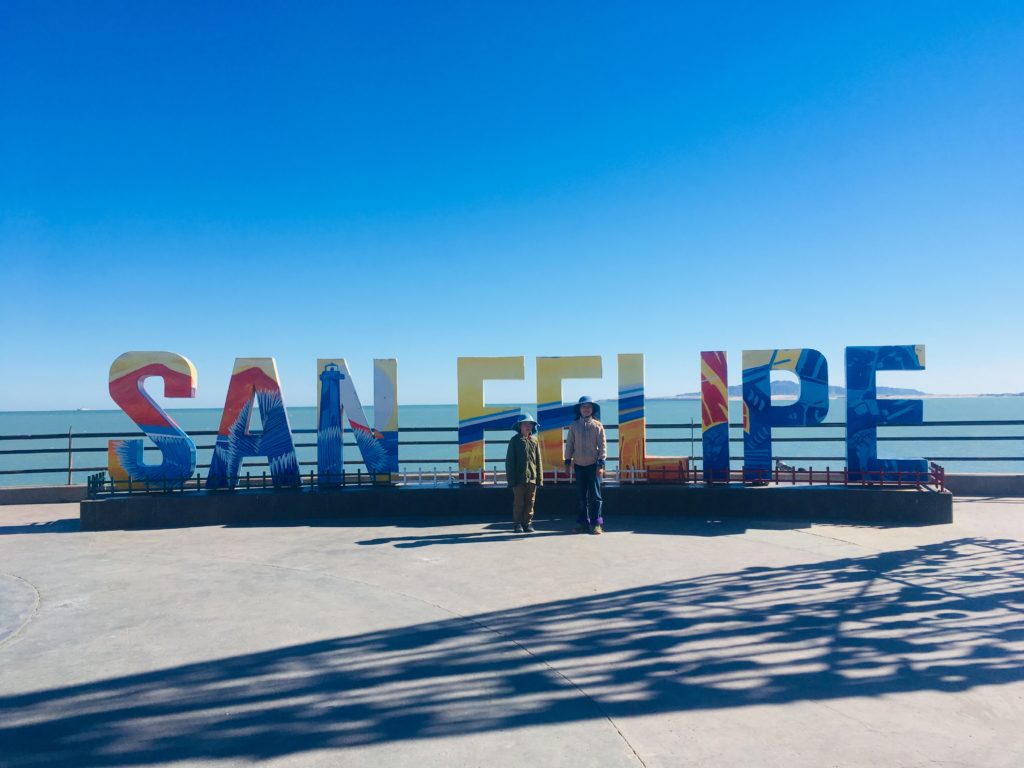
[975, 433]
[649, 398]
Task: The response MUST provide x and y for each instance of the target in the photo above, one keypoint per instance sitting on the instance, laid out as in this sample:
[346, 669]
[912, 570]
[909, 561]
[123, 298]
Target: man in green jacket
[524, 472]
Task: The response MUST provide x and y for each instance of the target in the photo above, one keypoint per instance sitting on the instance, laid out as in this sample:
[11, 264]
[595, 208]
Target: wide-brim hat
[526, 417]
[588, 400]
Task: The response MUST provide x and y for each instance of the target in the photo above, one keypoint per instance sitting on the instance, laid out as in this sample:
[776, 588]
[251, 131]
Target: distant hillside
[792, 389]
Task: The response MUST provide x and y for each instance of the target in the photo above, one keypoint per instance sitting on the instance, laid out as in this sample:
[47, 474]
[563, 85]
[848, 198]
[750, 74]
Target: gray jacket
[586, 443]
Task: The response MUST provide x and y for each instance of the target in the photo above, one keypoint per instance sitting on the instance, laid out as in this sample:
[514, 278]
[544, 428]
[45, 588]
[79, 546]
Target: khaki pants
[523, 498]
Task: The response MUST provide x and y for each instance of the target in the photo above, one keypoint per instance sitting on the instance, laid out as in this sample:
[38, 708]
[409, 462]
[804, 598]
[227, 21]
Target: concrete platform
[429, 642]
[853, 504]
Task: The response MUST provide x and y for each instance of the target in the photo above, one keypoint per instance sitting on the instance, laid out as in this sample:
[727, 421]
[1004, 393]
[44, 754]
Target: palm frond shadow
[942, 617]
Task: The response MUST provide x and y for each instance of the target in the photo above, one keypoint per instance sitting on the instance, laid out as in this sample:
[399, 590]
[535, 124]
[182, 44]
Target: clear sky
[430, 180]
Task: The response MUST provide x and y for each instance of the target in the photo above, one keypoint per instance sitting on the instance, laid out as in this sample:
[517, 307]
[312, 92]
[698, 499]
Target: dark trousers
[588, 496]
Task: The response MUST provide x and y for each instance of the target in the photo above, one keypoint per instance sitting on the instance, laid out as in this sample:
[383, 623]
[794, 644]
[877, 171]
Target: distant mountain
[792, 389]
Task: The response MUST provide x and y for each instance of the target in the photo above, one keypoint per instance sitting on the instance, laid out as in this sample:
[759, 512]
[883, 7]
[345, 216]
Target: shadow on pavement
[65, 525]
[942, 617]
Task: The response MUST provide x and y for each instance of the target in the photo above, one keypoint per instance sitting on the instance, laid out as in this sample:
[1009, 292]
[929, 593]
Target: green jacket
[522, 461]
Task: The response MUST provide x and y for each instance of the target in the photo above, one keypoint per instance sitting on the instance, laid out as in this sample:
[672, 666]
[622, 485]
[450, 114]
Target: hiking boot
[597, 530]
[529, 528]
[518, 528]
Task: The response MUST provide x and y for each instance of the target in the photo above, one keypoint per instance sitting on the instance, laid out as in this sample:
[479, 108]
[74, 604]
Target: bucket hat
[587, 400]
[525, 417]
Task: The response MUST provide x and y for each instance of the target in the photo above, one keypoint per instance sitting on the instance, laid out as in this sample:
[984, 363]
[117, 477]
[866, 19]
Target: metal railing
[682, 473]
[75, 456]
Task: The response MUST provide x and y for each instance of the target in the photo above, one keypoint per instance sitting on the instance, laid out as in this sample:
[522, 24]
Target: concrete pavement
[662, 643]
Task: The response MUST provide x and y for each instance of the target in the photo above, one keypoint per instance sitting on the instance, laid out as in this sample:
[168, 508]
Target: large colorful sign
[255, 382]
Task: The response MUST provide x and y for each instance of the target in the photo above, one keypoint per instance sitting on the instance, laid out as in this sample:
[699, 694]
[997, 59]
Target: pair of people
[585, 446]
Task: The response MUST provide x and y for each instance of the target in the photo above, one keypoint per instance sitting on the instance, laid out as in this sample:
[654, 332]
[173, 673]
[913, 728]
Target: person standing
[524, 472]
[587, 447]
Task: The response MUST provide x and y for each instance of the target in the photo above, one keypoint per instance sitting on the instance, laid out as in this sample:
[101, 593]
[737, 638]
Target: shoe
[580, 529]
[529, 528]
[597, 530]
[518, 528]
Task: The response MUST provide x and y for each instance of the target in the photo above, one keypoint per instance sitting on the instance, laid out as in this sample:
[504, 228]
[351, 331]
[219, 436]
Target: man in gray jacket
[587, 448]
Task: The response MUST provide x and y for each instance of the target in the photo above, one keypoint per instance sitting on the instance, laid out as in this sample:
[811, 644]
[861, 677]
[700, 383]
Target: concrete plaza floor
[456, 643]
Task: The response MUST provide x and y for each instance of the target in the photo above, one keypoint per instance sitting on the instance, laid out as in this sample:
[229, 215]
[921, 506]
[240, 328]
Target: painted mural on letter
[337, 397]
[714, 415]
[760, 416]
[475, 418]
[554, 415]
[865, 412]
[253, 380]
[633, 426]
[128, 374]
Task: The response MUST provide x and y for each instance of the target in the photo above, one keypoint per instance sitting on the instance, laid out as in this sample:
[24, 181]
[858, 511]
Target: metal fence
[100, 484]
[73, 454]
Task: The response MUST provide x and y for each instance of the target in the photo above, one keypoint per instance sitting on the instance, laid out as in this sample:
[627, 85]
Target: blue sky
[424, 181]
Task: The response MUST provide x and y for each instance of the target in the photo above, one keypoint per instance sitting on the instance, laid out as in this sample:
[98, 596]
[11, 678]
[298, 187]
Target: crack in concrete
[16, 634]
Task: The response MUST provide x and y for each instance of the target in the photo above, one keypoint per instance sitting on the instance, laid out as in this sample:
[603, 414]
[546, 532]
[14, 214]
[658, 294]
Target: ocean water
[956, 447]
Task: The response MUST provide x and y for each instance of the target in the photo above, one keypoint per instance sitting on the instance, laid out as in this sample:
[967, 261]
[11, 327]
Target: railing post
[71, 454]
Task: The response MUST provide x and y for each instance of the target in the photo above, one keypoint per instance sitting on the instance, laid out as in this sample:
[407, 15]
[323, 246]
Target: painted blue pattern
[329, 438]
[179, 456]
[274, 442]
[809, 409]
[865, 412]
